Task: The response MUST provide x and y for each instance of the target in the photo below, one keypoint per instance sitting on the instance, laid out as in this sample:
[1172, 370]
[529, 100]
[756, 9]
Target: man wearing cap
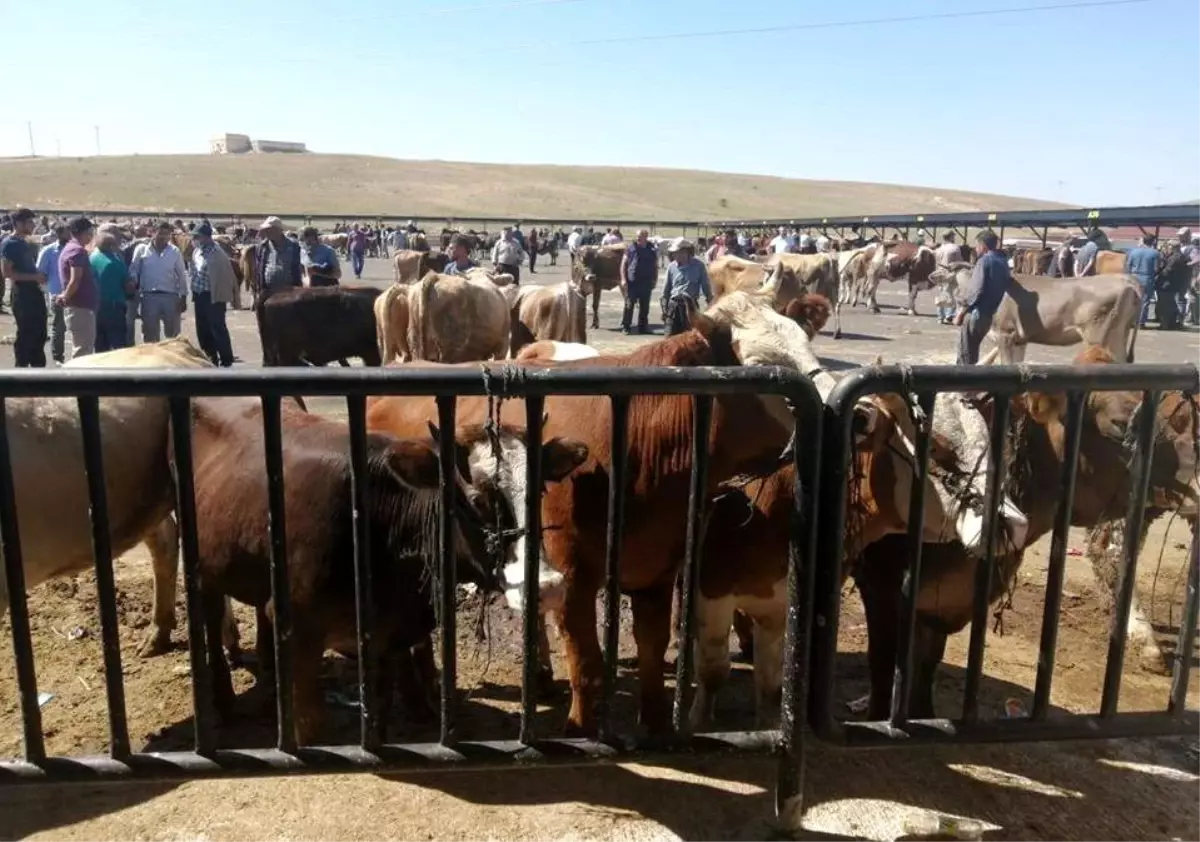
[639, 272]
[687, 279]
[161, 284]
[80, 296]
[278, 259]
[47, 264]
[213, 284]
[1174, 282]
[507, 255]
[982, 296]
[320, 262]
[19, 268]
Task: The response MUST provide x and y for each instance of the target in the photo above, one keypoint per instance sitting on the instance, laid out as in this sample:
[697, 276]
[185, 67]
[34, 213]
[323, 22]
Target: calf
[319, 325]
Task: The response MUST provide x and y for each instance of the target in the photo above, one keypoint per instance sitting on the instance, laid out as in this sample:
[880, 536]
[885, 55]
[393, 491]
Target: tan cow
[795, 275]
[556, 312]
[550, 351]
[51, 484]
[410, 265]
[391, 324]
[595, 269]
[1110, 263]
[337, 241]
[455, 318]
[247, 260]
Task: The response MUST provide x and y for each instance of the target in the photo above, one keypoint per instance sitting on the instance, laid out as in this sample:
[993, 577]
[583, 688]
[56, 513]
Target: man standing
[948, 253]
[639, 272]
[532, 248]
[612, 237]
[277, 259]
[982, 297]
[161, 283]
[507, 255]
[574, 240]
[213, 283]
[1142, 263]
[112, 282]
[460, 256]
[47, 264]
[687, 279]
[19, 269]
[1062, 264]
[781, 243]
[1085, 260]
[320, 262]
[357, 245]
[80, 296]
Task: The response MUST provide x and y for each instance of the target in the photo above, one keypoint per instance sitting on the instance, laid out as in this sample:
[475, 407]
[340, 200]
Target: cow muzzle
[1012, 523]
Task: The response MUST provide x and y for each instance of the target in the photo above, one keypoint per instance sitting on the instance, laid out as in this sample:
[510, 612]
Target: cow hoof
[837, 334]
[546, 688]
[577, 730]
[156, 643]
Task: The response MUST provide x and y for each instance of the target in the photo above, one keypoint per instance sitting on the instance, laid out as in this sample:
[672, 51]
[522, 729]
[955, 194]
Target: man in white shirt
[948, 252]
[573, 241]
[780, 244]
[612, 237]
[507, 255]
[161, 282]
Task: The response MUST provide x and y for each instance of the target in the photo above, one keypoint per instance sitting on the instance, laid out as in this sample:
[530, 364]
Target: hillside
[349, 185]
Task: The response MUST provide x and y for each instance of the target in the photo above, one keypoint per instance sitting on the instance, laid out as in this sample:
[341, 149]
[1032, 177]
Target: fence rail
[822, 462]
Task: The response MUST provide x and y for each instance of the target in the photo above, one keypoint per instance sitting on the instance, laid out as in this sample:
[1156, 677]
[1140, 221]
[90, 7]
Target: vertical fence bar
[532, 561]
[18, 611]
[106, 589]
[701, 422]
[185, 512]
[1056, 573]
[1186, 641]
[902, 677]
[612, 557]
[797, 642]
[1147, 418]
[280, 587]
[447, 571]
[985, 567]
[364, 599]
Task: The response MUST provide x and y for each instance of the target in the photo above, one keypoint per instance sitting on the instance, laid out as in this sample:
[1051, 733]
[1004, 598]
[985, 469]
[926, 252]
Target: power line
[772, 30]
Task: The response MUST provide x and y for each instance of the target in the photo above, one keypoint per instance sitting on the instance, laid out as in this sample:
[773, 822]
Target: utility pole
[29, 125]
[97, 139]
[1061, 185]
[1158, 188]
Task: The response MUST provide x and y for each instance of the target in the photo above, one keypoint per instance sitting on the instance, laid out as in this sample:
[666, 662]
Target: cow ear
[434, 432]
[771, 282]
[867, 424]
[1045, 408]
[414, 464]
[560, 456]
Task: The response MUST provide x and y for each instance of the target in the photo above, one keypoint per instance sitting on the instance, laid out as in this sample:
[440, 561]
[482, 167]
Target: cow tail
[417, 332]
[381, 320]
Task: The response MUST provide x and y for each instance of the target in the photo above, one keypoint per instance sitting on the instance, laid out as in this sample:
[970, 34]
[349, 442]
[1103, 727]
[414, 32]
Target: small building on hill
[277, 146]
[239, 144]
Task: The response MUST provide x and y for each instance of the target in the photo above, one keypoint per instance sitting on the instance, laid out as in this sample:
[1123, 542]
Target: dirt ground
[1140, 789]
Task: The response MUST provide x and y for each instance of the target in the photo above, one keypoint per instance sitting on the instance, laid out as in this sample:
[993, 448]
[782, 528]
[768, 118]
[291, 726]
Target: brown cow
[595, 269]
[748, 434]
[402, 477]
[411, 265]
[247, 257]
[894, 261]
[456, 318]
[556, 312]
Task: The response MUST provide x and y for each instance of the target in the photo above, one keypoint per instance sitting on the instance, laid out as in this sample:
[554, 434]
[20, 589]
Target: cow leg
[912, 301]
[417, 681]
[837, 319]
[879, 585]
[713, 619]
[652, 631]
[577, 626]
[1104, 552]
[213, 606]
[307, 649]
[768, 666]
[743, 627]
[596, 308]
[163, 543]
[264, 645]
[929, 647]
[545, 674]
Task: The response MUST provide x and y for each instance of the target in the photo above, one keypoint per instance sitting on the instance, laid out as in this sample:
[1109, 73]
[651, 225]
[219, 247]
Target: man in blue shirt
[1142, 263]
[639, 273]
[1085, 258]
[47, 264]
[981, 299]
[460, 261]
[18, 267]
[687, 279]
[320, 261]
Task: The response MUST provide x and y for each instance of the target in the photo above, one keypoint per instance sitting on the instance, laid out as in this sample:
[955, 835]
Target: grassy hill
[352, 184]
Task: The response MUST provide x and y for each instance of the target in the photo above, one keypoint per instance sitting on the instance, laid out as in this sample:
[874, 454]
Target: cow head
[493, 463]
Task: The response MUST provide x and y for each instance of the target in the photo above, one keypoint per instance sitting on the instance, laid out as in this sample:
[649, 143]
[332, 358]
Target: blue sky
[1105, 99]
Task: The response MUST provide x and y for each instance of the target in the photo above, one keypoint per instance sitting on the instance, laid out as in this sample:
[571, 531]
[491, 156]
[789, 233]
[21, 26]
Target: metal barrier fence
[179, 387]
[1001, 383]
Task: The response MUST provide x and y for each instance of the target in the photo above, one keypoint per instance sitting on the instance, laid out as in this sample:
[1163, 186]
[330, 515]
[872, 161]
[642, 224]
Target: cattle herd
[766, 312]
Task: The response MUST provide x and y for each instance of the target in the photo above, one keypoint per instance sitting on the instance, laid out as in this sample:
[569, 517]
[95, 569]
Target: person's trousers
[532, 259]
[211, 330]
[132, 314]
[1167, 310]
[81, 325]
[110, 326]
[29, 308]
[58, 331]
[356, 261]
[160, 316]
[679, 314]
[510, 269]
[639, 295]
[1148, 298]
[970, 336]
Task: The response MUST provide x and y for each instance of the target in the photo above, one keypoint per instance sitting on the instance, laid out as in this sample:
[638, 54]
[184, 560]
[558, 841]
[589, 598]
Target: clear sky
[1096, 105]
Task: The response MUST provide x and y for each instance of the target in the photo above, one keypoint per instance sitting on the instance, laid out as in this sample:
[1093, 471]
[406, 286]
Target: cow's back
[319, 325]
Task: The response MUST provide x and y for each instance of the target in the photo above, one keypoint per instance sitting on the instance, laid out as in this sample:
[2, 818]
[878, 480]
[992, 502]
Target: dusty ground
[1127, 790]
[356, 184]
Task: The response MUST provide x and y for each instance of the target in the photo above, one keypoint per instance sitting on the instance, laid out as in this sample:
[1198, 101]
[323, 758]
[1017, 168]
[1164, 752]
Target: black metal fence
[821, 459]
[179, 387]
[1000, 383]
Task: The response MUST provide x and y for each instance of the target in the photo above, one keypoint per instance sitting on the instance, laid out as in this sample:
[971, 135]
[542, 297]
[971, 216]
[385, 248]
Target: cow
[552, 351]
[457, 318]
[391, 324]
[403, 500]
[1033, 261]
[1098, 310]
[862, 272]
[596, 269]
[1109, 263]
[247, 257]
[556, 313]
[748, 436]
[1104, 483]
[51, 487]
[338, 242]
[318, 325]
[411, 265]
[797, 275]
